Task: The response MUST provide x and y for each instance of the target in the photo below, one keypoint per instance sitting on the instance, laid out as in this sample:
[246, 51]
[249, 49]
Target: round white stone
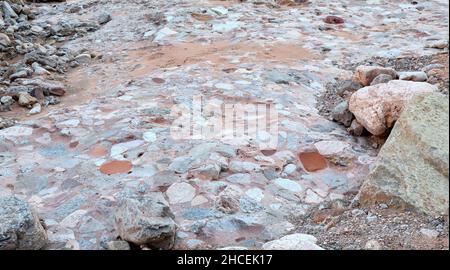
[180, 193]
[149, 136]
[289, 185]
[328, 148]
[255, 193]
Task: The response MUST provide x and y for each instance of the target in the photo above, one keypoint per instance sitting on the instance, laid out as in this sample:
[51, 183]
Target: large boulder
[20, 227]
[366, 74]
[412, 168]
[377, 107]
[146, 220]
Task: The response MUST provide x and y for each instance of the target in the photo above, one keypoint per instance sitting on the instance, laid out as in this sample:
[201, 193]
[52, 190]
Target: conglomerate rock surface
[120, 128]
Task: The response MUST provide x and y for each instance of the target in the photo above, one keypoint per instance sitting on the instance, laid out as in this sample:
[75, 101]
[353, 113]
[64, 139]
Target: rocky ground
[338, 227]
[92, 89]
[335, 91]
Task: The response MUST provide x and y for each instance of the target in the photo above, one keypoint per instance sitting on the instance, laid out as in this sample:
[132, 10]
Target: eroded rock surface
[119, 74]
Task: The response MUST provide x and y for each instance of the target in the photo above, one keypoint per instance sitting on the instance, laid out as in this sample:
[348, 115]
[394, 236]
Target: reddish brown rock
[57, 91]
[356, 128]
[268, 152]
[333, 20]
[74, 144]
[116, 167]
[313, 161]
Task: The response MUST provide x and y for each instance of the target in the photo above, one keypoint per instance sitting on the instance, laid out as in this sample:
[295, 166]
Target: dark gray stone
[342, 114]
[20, 227]
[382, 78]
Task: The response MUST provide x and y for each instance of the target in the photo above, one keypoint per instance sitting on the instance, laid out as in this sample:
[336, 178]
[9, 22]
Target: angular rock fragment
[382, 78]
[26, 100]
[8, 11]
[412, 168]
[48, 87]
[243, 166]
[146, 220]
[181, 164]
[5, 103]
[348, 86]
[104, 18]
[207, 172]
[439, 44]
[312, 161]
[5, 41]
[366, 74]
[333, 20]
[378, 107]
[6, 123]
[117, 245]
[341, 114]
[180, 193]
[20, 227]
[36, 109]
[228, 199]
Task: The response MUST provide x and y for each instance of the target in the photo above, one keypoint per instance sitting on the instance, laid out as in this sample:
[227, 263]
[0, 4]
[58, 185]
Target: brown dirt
[190, 53]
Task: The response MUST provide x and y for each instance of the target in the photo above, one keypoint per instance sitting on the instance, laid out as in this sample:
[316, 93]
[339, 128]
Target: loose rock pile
[375, 97]
[146, 220]
[339, 227]
[411, 170]
[20, 227]
[30, 57]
